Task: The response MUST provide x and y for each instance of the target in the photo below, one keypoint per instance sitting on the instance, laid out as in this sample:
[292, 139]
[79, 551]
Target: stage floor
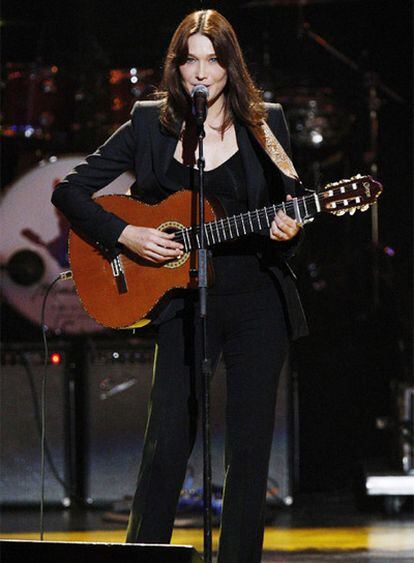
[323, 527]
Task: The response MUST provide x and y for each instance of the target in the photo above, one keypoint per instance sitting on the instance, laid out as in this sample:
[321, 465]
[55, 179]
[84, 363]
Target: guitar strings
[243, 223]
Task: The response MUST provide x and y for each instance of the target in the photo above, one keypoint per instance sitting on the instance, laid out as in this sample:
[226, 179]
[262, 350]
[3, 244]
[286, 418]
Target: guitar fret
[198, 241]
[274, 211]
[258, 219]
[243, 225]
[235, 224]
[190, 237]
[212, 233]
[306, 207]
[217, 231]
[267, 217]
[229, 225]
[318, 205]
[186, 240]
[301, 202]
[224, 230]
[250, 221]
[206, 234]
[298, 218]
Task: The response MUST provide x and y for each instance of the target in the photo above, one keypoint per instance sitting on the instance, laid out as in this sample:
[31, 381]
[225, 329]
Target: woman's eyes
[210, 60]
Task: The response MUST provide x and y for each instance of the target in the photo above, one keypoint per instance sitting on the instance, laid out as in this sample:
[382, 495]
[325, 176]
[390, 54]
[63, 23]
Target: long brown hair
[243, 100]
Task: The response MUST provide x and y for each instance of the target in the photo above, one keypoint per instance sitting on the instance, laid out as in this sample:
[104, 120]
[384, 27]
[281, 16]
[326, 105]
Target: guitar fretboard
[236, 226]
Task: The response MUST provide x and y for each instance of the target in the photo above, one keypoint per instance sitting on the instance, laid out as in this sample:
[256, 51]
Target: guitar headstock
[346, 196]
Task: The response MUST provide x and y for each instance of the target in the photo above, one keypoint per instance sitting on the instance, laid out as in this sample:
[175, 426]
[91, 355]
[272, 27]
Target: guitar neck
[230, 228]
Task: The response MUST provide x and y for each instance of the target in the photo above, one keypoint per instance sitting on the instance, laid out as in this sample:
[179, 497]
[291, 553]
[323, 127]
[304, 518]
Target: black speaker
[20, 387]
[16, 551]
[119, 379]
[97, 402]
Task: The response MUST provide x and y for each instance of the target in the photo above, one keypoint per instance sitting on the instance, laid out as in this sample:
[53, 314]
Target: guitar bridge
[119, 275]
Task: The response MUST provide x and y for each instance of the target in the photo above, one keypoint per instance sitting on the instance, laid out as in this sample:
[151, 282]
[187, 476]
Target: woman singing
[253, 307]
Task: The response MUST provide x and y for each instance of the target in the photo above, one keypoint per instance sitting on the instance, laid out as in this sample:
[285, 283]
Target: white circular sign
[32, 224]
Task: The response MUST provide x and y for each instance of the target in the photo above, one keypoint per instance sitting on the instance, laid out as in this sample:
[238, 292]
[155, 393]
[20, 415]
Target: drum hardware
[374, 86]
[44, 102]
[396, 483]
[103, 101]
[126, 86]
[37, 101]
[401, 426]
[311, 124]
[316, 120]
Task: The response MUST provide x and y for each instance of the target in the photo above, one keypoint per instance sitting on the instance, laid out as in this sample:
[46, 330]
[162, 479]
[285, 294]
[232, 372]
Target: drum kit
[44, 101]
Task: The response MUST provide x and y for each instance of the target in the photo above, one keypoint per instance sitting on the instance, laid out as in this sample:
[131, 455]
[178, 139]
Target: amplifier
[20, 389]
[97, 401]
[119, 382]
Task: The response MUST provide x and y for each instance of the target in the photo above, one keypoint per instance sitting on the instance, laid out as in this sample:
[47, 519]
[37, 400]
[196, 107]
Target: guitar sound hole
[170, 230]
[174, 227]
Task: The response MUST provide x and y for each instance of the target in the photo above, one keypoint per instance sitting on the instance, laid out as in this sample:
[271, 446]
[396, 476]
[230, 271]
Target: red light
[55, 358]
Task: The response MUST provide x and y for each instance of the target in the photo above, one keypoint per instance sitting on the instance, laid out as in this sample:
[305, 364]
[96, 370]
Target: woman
[253, 308]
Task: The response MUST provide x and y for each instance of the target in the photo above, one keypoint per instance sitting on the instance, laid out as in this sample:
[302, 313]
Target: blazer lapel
[163, 147]
[255, 179]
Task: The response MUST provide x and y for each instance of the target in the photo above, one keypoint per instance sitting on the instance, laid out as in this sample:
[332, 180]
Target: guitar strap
[269, 143]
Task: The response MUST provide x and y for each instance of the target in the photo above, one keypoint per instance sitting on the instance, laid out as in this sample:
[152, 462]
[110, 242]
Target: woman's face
[202, 67]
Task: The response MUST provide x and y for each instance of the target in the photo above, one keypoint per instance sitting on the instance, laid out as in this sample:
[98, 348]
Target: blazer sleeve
[73, 196]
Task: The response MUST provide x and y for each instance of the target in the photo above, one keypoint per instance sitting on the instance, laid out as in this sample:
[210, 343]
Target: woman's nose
[201, 73]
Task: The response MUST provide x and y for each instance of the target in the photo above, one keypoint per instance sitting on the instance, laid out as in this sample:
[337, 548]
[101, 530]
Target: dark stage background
[356, 348]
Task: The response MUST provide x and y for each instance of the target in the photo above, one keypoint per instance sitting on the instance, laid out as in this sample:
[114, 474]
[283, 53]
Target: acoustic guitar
[124, 291]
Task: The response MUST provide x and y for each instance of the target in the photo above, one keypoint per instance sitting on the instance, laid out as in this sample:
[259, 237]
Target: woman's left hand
[283, 227]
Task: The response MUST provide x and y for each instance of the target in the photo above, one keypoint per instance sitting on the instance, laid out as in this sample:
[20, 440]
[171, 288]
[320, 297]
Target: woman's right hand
[151, 244]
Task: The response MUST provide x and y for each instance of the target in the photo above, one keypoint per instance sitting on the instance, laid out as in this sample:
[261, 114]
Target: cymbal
[287, 3]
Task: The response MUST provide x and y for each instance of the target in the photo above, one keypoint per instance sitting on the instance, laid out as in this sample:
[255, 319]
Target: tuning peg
[352, 211]
[364, 207]
[340, 212]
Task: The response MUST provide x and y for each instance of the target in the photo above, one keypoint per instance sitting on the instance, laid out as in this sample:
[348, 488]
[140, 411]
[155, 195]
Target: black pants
[250, 330]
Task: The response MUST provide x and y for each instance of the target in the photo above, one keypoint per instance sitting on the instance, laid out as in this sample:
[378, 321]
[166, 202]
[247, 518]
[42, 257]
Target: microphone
[199, 95]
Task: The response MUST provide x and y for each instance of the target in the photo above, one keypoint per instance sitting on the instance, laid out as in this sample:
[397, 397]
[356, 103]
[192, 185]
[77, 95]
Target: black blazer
[144, 146]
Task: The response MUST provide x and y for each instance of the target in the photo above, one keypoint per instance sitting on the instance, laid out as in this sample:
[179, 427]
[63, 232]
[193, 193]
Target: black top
[236, 264]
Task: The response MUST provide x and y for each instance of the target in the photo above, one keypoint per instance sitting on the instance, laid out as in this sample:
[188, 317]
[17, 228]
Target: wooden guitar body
[123, 303]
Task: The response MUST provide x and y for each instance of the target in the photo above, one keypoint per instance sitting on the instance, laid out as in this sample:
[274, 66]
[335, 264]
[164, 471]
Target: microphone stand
[205, 362]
